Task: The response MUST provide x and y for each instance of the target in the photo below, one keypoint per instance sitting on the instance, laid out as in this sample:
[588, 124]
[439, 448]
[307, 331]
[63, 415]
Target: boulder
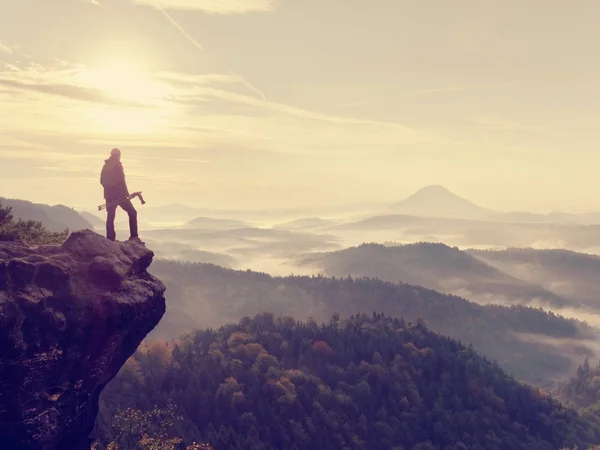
[70, 316]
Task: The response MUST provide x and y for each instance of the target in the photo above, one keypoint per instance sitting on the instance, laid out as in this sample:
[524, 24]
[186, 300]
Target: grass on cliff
[27, 231]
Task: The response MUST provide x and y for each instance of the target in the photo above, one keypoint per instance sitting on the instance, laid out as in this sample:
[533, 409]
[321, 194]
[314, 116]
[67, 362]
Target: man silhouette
[112, 179]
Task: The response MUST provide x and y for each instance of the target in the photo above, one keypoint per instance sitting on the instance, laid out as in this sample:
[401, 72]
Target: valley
[529, 309]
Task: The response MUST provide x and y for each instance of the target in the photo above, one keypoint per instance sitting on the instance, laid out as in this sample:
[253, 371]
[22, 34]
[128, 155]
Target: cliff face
[70, 316]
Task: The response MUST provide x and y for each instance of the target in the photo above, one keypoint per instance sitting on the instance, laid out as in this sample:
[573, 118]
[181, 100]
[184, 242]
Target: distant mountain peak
[438, 201]
[435, 188]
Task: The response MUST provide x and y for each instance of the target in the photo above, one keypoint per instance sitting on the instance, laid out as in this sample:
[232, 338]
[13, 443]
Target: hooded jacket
[112, 179]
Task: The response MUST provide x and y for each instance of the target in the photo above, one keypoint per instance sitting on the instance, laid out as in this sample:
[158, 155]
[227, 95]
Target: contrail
[249, 86]
[199, 47]
[180, 28]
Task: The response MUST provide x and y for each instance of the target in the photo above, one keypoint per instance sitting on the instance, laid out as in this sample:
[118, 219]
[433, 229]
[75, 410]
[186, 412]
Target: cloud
[10, 142]
[71, 81]
[5, 49]
[69, 91]
[211, 108]
[213, 6]
[199, 47]
[192, 117]
[197, 88]
[204, 78]
[499, 123]
[200, 118]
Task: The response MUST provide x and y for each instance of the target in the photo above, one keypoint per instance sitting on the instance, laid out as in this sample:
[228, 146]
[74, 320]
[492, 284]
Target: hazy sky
[263, 103]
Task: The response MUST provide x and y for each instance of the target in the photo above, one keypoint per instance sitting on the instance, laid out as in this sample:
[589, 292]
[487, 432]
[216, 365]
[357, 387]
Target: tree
[27, 231]
[149, 430]
[420, 391]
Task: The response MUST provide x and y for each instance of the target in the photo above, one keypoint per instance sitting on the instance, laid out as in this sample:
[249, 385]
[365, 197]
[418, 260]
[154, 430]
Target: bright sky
[266, 103]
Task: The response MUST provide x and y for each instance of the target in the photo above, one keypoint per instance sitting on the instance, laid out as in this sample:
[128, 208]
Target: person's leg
[133, 225]
[111, 211]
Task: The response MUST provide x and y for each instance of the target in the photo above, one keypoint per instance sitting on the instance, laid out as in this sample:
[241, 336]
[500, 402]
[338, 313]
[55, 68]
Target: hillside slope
[93, 219]
[569, 274]
[367, 383]
[54, 218]
[437, 201]
[489, 232]
[208, 223]
[531, 344]
[582, 390]
[435, 266]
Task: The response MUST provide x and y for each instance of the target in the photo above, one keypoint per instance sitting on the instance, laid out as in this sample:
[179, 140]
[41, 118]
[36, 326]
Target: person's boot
[136, 239]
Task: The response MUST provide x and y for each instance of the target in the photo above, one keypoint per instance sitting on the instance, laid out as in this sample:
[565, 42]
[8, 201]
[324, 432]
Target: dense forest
[531, 344]
[582, 391]
[369, 382]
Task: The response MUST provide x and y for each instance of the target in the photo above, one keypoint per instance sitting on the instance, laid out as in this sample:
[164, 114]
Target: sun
[138, 103]
[123, 81]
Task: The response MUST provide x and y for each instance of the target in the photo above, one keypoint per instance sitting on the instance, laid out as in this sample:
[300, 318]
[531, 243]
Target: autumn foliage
[369, 382]
[322, 348]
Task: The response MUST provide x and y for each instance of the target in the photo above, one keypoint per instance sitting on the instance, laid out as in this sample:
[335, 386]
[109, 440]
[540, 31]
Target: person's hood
[112, 160]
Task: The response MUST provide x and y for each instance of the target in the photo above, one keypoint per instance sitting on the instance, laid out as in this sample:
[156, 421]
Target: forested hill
[583, 389]
[435, 266]
[570, 274]
[531, 344]
[371, 382]
[54, 218]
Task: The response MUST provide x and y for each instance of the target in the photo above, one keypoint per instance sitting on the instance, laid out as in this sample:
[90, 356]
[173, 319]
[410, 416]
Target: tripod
[129, 197]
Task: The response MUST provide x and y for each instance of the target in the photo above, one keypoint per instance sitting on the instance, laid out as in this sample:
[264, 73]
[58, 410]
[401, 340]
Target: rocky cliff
[70, 316]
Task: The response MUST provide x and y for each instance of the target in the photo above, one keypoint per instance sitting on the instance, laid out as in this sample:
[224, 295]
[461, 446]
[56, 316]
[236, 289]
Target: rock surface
[70, 316]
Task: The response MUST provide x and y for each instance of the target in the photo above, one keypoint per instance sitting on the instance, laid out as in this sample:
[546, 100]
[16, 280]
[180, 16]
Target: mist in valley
[275, 241]
[223, 265]
[433, 240]
[376, 224]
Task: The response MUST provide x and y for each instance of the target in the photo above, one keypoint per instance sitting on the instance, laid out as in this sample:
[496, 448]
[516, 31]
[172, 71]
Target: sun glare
[124, 81]
[125, 121]
[127, 83]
